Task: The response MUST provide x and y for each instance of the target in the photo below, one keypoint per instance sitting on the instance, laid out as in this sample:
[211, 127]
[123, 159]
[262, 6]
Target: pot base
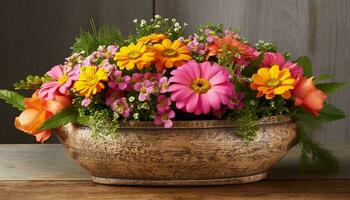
[144, 182]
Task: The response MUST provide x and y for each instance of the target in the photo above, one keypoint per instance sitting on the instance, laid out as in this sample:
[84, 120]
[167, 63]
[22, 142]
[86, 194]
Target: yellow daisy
[169, 54]
[90, 80]
[153, 38]
[132, 55]
[273, 81]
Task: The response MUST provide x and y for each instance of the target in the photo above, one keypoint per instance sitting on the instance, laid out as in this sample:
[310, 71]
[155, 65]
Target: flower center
[169, 52]
[200, 85]
[274, 82]
[143, 90]
[134, 54]
[63, 79]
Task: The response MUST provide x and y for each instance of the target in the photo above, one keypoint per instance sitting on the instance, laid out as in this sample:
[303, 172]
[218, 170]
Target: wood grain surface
[82, 190]
[317, 28]
[45, 172]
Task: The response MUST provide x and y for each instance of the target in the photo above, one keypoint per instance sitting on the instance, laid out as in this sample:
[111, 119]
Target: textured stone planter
[191, 153]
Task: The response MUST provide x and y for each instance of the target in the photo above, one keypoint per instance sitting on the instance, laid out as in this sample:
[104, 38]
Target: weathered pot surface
[204, 152]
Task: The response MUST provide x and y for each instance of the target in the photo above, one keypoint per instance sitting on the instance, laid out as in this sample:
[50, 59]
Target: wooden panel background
[37, 34]
[317, 28]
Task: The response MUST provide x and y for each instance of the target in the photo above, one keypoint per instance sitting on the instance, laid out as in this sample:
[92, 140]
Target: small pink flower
[145, 88]
[86, 102]
[62, 79]
[163, 85]
[271, 59]
[113, 95]
[121, 107]
[111, 50]
[236, 101]
[165, 118]
[118, 81]
[163, 103]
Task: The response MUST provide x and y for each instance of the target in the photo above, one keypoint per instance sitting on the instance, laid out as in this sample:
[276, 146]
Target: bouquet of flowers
[159, 74]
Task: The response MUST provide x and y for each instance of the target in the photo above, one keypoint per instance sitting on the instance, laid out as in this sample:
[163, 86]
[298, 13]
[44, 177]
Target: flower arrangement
[158, 74]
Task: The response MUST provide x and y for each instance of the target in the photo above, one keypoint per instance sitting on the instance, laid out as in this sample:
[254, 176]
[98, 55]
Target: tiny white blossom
[185, 24]
[135, 115]
[135, 21]
[157, 16]
[177, 24]
[166, 19]
[131, 99]
[176, 29]
[157, 26]
[173, 20]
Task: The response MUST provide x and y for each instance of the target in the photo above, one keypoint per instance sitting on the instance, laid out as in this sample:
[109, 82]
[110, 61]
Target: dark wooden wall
[37, 34]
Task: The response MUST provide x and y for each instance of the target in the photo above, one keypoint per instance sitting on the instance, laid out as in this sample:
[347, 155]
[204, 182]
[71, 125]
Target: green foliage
[252, 67]
[263, 46]
[158, 24]
[89, 41]
[31, 82]
[12, 98]
[330, 88]
[67, 115]
[103, 124]
[313, 153]
[322, 77]
[305, 63]
[328, 113]
[247, 128]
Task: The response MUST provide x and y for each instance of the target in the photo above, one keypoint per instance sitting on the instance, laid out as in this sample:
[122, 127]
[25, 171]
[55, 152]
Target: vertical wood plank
[317, 28]
[37, 34]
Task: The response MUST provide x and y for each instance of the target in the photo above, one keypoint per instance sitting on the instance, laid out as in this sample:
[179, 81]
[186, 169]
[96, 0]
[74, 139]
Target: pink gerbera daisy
[62, 79]
[271, 59]
[199, 87]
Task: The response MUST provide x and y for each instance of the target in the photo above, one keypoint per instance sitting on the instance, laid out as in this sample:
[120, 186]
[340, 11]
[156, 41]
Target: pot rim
[197, 124]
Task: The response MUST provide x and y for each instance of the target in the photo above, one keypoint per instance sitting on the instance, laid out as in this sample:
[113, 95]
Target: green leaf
[322, 77]
[12, 98]
[305, 63]
[65, 116]
[313, 152]
[330, 113]
[330, 88]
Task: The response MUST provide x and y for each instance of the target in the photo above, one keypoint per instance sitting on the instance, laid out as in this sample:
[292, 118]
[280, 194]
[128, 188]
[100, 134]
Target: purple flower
[195, 46]
[165, 118]
[145, 88]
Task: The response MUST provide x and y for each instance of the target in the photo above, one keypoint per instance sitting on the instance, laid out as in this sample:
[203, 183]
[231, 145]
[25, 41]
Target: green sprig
[31, 82]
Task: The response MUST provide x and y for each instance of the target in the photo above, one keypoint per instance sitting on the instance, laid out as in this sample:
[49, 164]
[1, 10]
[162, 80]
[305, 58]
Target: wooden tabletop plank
[85, 190]
[50, 162]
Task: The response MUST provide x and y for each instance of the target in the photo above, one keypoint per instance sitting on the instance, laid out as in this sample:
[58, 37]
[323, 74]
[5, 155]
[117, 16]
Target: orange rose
[37, 112]
[308, 96]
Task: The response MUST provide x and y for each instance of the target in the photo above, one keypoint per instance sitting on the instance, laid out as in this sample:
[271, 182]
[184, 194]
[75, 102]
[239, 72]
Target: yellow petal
[166, 43]
[274, 71]
[289, 81]
[258, 79]
[282, 89]
[264, 73]
[284, 74]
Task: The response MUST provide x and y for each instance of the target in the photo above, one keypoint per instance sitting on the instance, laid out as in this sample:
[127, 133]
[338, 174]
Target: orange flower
[273, 81]
[169, 54]
[37, 112]
[153, 38]
[308, 96]
[242, 53]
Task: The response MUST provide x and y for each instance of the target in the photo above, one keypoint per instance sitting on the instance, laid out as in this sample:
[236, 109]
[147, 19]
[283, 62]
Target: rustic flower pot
[204, 152]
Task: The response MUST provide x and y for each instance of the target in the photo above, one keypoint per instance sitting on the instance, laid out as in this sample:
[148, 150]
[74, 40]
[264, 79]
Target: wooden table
[31, 172]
